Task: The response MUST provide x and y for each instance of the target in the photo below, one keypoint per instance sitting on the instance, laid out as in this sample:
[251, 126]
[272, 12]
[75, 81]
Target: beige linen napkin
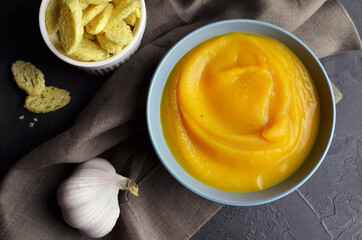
[113, 126]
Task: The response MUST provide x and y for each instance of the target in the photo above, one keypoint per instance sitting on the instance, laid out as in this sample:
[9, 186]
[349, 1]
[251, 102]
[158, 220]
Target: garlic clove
[89, 197]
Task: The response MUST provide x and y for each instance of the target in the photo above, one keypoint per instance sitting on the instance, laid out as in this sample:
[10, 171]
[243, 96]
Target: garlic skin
[89, 197]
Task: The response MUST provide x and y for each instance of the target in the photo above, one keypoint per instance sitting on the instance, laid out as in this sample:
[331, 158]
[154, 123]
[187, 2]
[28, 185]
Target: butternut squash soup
[240, 112]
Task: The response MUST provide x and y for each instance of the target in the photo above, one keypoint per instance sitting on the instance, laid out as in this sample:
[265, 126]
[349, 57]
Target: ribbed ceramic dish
[327, 111]
[99, 68]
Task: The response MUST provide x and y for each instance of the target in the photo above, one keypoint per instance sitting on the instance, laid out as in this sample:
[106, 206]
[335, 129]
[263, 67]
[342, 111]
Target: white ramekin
[99, 68]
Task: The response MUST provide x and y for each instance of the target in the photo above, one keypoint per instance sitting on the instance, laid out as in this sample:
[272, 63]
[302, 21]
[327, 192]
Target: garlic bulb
[89, 197]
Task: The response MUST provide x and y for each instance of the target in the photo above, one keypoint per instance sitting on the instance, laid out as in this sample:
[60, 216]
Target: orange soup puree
[240, 112]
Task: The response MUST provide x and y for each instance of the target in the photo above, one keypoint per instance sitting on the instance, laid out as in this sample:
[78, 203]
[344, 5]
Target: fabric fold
[343, 36]
[113, 126]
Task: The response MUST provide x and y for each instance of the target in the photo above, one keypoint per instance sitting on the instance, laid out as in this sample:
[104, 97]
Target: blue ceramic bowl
[327, 108]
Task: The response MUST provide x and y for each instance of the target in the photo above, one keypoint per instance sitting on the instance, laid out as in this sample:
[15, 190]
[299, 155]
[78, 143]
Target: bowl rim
[107, 62]
[156, 146]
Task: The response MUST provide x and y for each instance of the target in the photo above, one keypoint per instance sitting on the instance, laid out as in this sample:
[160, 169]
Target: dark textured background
[328, 206]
